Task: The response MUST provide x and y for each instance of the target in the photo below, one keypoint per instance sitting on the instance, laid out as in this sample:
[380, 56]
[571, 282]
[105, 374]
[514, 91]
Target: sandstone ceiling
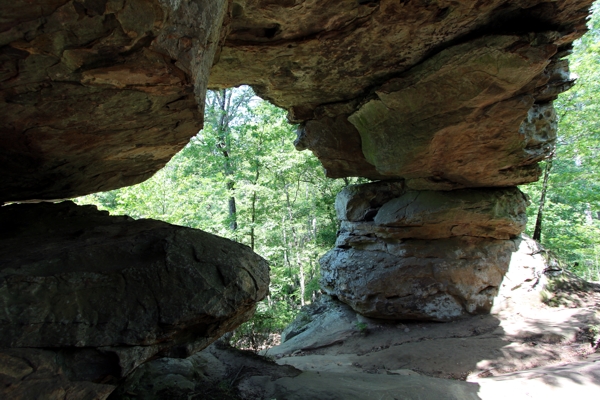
[432, 91]
[99, 94]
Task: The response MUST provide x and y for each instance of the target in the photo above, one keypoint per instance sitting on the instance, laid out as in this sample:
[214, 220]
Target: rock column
[408, 254]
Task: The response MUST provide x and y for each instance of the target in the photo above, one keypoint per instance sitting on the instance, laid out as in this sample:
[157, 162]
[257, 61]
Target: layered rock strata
[406, 254]
[87, 297]
[100, 94]
[96, 95]
[432, 92]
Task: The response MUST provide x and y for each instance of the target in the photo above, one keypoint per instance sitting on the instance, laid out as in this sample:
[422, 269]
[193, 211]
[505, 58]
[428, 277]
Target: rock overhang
[99, 95]
[440, 93]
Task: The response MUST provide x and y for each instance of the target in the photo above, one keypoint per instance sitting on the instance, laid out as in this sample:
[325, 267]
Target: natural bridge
[445, 105]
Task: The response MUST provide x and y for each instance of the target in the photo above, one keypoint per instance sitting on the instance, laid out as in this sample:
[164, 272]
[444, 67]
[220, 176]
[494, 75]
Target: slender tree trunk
[537, 233]
[224, 145]
[253, 220]
[254, 196]
[286, 259]
[302, 289]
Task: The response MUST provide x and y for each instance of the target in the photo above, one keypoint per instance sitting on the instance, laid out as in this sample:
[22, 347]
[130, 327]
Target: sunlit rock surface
[104, 294]
[434, 92]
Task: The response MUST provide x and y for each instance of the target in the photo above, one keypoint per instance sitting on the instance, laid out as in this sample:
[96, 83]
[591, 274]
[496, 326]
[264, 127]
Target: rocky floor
[535, 351]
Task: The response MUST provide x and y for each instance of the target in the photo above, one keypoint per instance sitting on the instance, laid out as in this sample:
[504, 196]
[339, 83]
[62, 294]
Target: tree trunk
[537, 233]
[224, 145]
[302, 288]
[254, 196]
[286, 259]
[253, 220]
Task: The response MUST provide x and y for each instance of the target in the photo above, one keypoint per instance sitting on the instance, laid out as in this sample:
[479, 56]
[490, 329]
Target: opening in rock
[241, 178]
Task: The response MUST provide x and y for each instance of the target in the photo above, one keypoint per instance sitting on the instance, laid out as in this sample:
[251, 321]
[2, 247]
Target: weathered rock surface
[434, 123]
[105, 294]
[302, 54]
[37, 373]
[96, 95]
[438, 124]
[217, 372]
[418, 279]
[406, 254]
[434, 92]
[388, 211]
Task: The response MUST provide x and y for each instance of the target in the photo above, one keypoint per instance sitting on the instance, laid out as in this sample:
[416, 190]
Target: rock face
[96, 95]
[104, 294]
[449, 101]
[433, 92]
[405, 254]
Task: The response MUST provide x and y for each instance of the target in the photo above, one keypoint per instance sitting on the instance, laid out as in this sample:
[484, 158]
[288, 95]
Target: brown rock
[96, 95]
[99, 95]
[303, 54]
[394, 214]
[435, 121]
[337, 144]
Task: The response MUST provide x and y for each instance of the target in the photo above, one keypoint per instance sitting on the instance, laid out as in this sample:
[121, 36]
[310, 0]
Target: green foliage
[284, 204]
[361, 327]
[571, 224]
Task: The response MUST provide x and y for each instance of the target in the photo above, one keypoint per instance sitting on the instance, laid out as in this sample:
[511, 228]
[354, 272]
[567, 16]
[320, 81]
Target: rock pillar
[408, 254]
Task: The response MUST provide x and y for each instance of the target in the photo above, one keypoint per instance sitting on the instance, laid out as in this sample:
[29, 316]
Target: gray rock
[118, 291]
[36, 373]
[362, 202]
[407, 254]
[418, 279]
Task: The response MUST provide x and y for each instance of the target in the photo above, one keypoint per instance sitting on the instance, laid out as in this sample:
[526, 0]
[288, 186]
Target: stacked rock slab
[87, 297]
[407, 254]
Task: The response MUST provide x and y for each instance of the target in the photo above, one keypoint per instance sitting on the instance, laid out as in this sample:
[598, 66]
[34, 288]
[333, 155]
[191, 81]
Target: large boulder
[106, 293]
[436, 280]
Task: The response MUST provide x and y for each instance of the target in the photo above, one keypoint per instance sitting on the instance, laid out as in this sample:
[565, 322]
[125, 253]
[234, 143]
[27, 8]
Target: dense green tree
[241, 178]
[569, 224]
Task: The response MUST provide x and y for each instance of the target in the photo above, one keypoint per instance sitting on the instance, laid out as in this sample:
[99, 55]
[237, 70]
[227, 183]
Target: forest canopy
[569, 192]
